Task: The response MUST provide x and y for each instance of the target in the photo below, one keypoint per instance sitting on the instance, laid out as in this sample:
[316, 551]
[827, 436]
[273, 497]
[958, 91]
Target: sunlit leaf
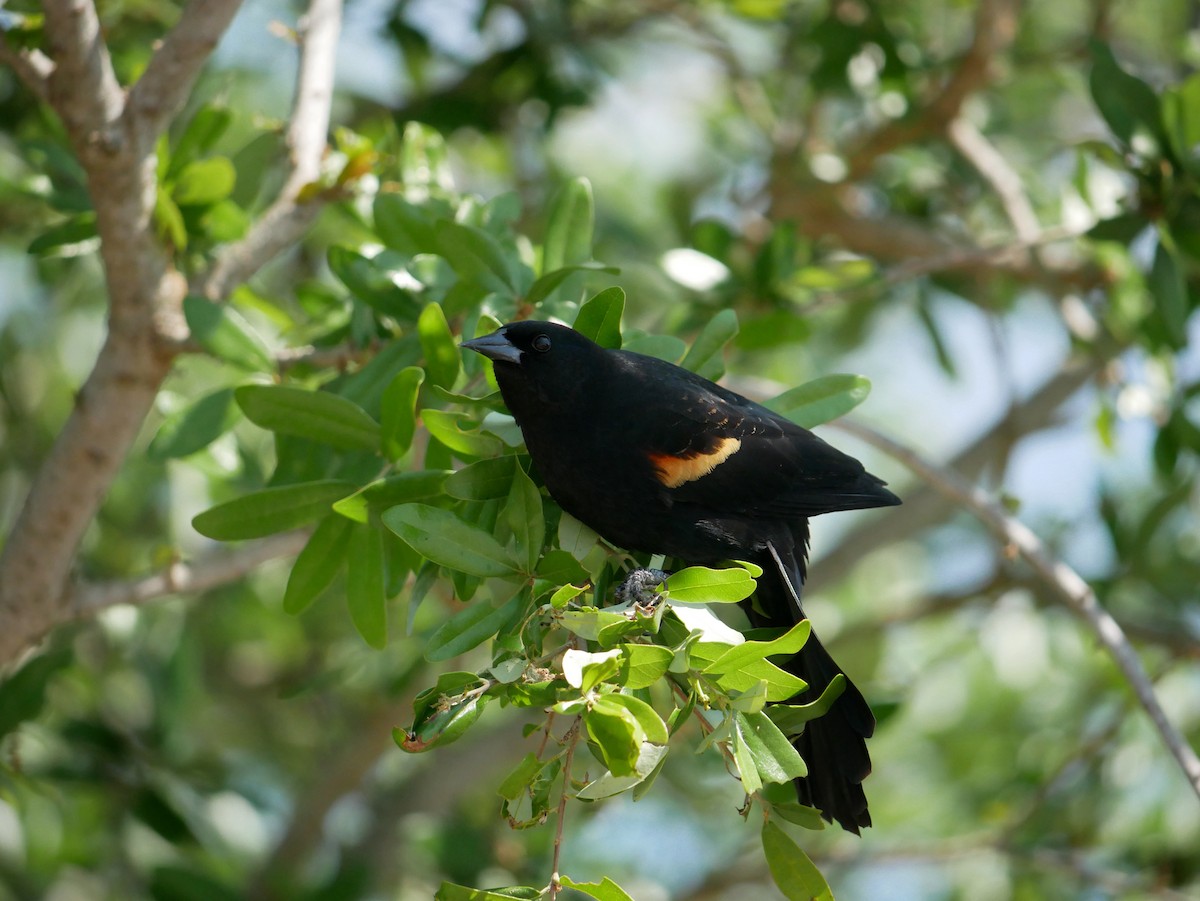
[316, 415]
[317, 564]
[793, 872]
[270, 510]
[448, 540]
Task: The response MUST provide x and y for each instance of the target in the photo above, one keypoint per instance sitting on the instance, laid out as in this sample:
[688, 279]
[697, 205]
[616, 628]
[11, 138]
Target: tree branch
[1062, 581]
[172, 72]
[286, 220]
[994, 29]
[923, 506]
[82, 87]
[32, 66]
[211, 571]
[991, 164]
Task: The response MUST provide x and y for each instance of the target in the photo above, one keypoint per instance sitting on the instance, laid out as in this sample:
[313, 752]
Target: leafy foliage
[192, 751]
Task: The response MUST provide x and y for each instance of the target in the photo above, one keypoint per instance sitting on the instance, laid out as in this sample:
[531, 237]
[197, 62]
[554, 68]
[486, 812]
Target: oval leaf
[271, 510]
[317, 563]
[442, 537]
[221, 330]
[317, 415]
[364, 585]
[195, 427]
[821, 400]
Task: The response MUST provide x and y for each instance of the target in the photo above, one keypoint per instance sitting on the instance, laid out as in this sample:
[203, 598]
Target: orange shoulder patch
[674, 471]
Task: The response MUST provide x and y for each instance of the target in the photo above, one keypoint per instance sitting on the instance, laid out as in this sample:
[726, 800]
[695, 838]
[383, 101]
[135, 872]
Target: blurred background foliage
[988, 209]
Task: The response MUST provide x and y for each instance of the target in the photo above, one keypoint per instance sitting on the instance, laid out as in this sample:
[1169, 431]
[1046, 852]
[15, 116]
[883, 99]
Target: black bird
[660, 460]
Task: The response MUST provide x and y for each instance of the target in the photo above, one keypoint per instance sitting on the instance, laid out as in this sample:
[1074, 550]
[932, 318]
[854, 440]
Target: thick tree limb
[83, 87]
[290, 215]
[216, 569]
[1061, 580]
[145, 291]
[172, 72]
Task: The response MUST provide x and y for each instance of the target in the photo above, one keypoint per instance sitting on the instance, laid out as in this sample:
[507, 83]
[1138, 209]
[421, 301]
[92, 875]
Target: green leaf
[585, 670]
[270, 510]
[1125, 101]
[701, 585]
[650, 758]
[424, 160]
[447, 428]
[318, 563]
[647, 717]
[600, 317]
[372, 283]
[449, 541]
[821, 400]
[774, 757]
[442, 361]
[800, 814]
[483, 480]
[790, 718]
[451, 892]
[589, 621]
[1181, 119]
[364, 585]
[647, 663]
[523, 512]
[744, 761]
[569, 231]
[477, 256]
[23, 694]
[203, 131]
[793, 872]
[403, 226]
[398, 418]
[74, 231]
[443, 713]
[317, 415]
[704, 356]
[471, 627]
[222, 331]
[605, 890]
[520, 777]
[168, 221]
[195, 427]
[738, 658]
[617, 735]
[204, 182]
[1169, 288]
[401, 488]
[545, 286]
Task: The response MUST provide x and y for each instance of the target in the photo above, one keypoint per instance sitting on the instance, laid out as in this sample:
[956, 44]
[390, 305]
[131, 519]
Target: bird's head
[542, 360]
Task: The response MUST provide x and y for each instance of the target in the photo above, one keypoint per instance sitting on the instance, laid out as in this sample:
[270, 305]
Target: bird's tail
[834, 746]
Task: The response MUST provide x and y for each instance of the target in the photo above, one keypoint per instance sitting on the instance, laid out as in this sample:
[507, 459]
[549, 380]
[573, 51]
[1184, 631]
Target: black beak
[495, 346]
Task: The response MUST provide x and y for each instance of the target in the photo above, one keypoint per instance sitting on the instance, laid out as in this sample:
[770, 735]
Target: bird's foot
[639, 587]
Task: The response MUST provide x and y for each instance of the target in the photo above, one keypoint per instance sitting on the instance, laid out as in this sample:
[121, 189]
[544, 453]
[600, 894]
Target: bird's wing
[709, 446]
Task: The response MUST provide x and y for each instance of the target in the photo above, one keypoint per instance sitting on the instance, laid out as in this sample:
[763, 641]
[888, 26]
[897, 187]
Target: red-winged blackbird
[660, 460]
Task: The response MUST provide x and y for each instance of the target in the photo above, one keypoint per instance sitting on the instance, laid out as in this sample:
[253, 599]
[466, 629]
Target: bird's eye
[541, 344]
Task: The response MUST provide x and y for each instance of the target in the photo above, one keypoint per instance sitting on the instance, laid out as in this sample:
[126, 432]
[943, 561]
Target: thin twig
[572, 739]
[1003, 179]
[32, 66]
[994, 28]
[172, 72]
[218, 568]
[286, 220]
[1066, 584]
